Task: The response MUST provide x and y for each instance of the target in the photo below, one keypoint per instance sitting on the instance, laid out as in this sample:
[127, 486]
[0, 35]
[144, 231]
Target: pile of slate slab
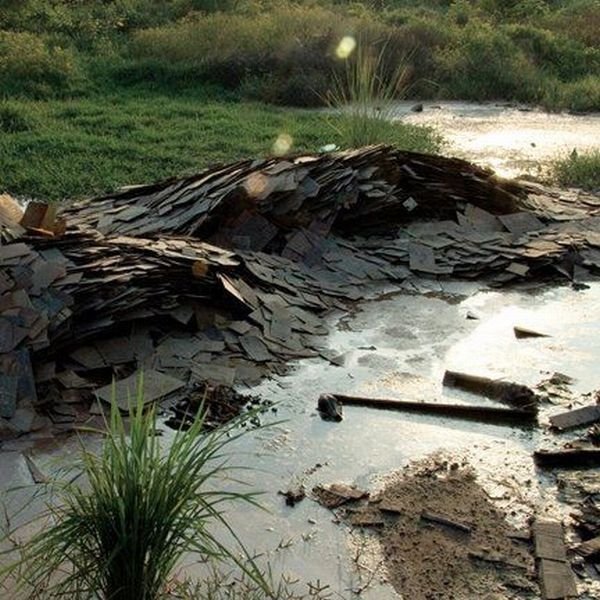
[225, 276]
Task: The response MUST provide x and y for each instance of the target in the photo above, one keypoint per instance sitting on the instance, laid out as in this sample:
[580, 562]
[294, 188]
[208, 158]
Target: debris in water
[555, 575]
[337, 494]
[569, 458]
[485, 414]
[329, 407]
[468, 556]
[576, 418]
[523, 333]
[294, 494]
[225, 276]
[513, 394]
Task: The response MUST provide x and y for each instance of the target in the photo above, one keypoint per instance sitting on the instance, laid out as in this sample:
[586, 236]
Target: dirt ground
[477, 554]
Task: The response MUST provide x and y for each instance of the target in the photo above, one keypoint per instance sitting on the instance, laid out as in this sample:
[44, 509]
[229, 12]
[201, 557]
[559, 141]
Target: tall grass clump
[366, 95]
[578, 170]
[119, 535]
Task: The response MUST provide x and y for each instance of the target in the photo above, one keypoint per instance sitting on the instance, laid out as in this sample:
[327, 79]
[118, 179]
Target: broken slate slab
[155, 386]
[521, 222]
[36, 473]
[554, 573]
[576, 418]
[213, 373]
[523, 332]
[589, 549]
[422, 258]
[255, 348]
[8, 395]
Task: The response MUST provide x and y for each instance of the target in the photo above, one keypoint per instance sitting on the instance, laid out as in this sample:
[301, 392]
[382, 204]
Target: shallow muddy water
[511, 140]
[396, 347]
[399, 348]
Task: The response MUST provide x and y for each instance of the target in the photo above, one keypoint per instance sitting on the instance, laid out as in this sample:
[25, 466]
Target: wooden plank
[589, 549]
[484, 414]
[576, 418]
[570, 458]
[556, 580]
[447, 522]
[514, 394]
[550, 547]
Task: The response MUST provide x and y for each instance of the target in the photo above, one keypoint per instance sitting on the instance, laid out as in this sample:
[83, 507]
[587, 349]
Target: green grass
[578, 170]
[61, 149]
[143, 506]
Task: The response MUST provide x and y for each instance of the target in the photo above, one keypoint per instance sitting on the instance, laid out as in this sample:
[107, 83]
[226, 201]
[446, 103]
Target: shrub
[577, 19]
[582, 95]
[556, 54]
[145, 507]
[32, 67]
[484, 64]
[274, 55]
[578, 170]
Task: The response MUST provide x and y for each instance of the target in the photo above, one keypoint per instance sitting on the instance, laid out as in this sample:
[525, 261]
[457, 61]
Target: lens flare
[283, 144]
[345, 47]
[256, 185]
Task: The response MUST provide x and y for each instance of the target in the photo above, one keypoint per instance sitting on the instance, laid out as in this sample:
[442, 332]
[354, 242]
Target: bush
[559, 56]
[578, 19]
[279, 56]
[582, 95]
[484, 64]
[32, 67]
[578, 170]
[366, 96]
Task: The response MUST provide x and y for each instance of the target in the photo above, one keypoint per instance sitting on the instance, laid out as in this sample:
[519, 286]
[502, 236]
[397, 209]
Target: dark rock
[330, 408]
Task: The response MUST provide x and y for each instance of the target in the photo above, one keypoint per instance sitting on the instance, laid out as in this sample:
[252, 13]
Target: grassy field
[58, 149]
[94, 95]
